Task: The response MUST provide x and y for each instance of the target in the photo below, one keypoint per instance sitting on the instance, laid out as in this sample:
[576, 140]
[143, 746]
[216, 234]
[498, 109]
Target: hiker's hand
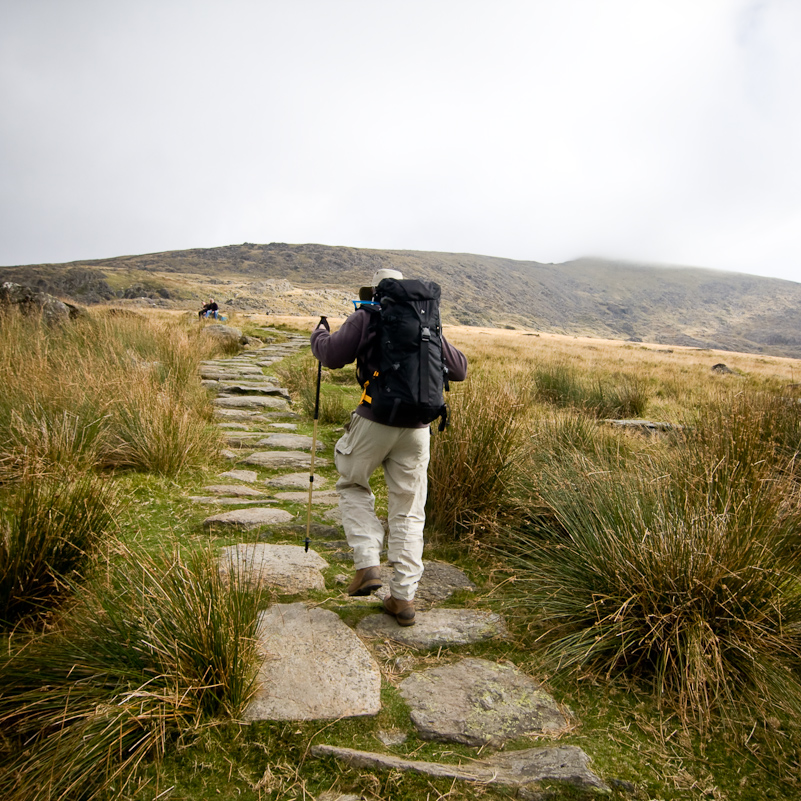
[324, 323]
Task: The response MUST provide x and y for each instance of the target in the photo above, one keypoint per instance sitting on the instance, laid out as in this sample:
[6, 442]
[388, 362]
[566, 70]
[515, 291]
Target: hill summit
[587, 297]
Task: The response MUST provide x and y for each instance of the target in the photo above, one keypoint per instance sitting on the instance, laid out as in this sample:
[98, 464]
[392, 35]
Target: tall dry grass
[152, 647]
[476, 461]
[104, 391]
[677, 564]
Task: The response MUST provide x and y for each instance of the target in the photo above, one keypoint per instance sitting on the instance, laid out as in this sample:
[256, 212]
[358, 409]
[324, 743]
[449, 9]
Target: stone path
[314, 665]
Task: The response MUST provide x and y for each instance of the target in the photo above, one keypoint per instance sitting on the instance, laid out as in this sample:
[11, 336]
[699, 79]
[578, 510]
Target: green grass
[134, 687]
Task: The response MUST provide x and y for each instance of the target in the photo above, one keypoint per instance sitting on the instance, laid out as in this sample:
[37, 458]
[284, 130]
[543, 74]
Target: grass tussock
[680, 569]
[153, 647]
[103, 391]
[475, 461]
[52, 526]
[559, 383]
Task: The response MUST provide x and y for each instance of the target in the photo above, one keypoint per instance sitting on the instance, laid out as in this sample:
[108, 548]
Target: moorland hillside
[590, 297]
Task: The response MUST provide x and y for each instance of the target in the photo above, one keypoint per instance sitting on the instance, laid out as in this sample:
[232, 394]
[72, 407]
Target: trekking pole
[324, 323]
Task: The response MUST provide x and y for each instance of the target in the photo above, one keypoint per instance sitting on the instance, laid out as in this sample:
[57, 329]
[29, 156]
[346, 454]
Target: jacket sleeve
[455, 361]
[340, 348]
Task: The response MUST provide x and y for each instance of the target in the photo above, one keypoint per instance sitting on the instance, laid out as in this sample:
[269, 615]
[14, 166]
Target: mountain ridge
[690, 306]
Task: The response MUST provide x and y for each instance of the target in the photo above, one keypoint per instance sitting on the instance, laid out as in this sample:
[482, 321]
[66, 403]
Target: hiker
[400, 446]
[209, 309]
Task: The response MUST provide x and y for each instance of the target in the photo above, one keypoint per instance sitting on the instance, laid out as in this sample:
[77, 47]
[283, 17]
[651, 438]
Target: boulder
[225, 334]
[31, 301]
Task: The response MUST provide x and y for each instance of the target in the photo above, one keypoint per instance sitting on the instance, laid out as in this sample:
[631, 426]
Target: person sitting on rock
[210, 309]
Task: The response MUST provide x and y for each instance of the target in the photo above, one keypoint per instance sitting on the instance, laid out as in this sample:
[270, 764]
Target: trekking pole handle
[324, 323]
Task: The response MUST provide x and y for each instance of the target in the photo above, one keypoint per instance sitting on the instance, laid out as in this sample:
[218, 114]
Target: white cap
[380, 275]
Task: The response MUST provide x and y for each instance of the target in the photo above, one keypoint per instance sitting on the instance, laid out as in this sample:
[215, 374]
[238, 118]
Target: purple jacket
[354, 339]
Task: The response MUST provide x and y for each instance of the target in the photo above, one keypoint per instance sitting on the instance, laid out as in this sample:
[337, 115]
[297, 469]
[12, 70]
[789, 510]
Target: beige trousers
[403, 453]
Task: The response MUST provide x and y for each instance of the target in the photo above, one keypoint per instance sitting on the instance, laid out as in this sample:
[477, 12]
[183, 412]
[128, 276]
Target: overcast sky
[666, 131]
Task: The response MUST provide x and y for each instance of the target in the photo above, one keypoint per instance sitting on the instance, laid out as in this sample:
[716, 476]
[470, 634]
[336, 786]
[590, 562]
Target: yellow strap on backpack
[365, 398]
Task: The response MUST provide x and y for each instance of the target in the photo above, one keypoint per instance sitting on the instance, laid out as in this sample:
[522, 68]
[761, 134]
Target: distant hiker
[210, 309]
[402, 361]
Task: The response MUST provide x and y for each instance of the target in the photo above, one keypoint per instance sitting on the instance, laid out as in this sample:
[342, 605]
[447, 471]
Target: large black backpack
[406, 390]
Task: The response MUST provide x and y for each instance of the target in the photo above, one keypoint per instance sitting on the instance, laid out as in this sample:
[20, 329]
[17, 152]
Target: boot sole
[367, 588]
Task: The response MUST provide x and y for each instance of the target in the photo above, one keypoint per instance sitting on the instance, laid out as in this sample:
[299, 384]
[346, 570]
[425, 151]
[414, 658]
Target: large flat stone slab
[277, 460]
[220, 500]
[322, 497]
[439, 582]
[247, 519]
[290, 569]
[296, 480]
[253, 389]
[248, 476]
[521, 769]
[239, 414]
[315, 667]
[250, 402]
[234, 490]
[437, 628]
[477, 702]
[280, 440]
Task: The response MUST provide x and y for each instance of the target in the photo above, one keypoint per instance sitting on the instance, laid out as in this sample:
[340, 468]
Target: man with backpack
[403, 363]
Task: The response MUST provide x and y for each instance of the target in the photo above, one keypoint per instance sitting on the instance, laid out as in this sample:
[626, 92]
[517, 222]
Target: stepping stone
[437, 627]
[221, 501]
[315, 668]
[247, 519]
[276, 460]
[233, 426]
[240, 475]
[236, 490]
[244, 368]
[440, 580]
[296, 480]
[249, 440]
[518, 769]
[286, 568]
[256, 389]
[250, 402]
[227, 373]
[209, 384]
[329, 497]
[317, 531]
[477, 702]
[289, 441]
[239, 414]
[284, 426]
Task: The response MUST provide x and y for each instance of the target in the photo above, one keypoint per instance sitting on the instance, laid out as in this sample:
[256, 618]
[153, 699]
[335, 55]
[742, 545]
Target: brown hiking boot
[402, 611]
[366, 580]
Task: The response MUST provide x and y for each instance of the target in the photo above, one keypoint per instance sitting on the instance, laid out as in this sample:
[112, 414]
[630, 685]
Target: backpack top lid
[407, 289]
